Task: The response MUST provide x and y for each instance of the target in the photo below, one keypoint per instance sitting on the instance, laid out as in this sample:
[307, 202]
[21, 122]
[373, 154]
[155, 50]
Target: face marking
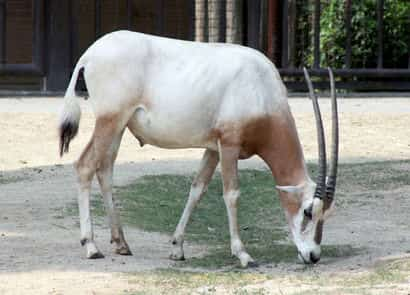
[319, 232]
[306, 217]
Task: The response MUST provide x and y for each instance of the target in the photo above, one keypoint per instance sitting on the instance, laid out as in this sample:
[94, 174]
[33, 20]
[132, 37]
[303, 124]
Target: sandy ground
[39, 247]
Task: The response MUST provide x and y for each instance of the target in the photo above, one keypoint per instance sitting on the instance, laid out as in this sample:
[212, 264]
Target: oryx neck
[284, 154]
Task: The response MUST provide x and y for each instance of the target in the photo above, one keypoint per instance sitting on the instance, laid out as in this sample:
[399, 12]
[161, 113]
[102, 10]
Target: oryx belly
[167, 129]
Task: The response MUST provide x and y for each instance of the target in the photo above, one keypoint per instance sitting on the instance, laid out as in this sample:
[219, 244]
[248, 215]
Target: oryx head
[308, 204]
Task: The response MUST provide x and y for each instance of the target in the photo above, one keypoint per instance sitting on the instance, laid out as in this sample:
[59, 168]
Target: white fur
[71, 111]
[317, 208]
[292, 189]
[179, 90]
[304, 238]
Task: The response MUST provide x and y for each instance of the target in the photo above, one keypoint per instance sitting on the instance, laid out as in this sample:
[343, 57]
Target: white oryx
[227, 99]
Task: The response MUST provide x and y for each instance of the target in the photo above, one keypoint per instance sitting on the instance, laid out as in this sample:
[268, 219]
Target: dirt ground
[40, 251]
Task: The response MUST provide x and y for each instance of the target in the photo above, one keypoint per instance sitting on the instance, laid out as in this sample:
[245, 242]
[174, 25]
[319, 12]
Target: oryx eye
[308, 212]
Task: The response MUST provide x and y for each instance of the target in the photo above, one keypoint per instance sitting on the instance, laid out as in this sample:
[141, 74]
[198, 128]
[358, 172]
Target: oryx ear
[290, 189]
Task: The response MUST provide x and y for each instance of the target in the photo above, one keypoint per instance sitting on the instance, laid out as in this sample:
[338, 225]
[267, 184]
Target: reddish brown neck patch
[274, 138]
[290, 203]
[280, 148]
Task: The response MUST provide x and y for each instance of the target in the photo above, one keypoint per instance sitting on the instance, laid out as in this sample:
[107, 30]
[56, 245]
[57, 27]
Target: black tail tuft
[68, 131]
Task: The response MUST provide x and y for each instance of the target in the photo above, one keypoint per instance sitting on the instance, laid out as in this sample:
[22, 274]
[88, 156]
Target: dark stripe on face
[319, 231]
[307, 216]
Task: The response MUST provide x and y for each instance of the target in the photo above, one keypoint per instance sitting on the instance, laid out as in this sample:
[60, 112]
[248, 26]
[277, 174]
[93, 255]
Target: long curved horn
[321, 178]
[331, 180]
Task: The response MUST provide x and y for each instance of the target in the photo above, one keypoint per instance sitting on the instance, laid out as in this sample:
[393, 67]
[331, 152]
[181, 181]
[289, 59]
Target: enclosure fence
[367, 46]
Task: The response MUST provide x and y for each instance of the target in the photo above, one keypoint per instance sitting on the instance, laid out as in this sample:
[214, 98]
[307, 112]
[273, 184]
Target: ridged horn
[321, 177]
[331, 179]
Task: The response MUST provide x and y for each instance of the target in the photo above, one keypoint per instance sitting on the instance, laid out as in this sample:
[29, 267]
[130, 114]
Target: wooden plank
[316, 35]
[58, 45]
[206, 21]
[355, 87]
[380, 15]
[235, 15]
[19, 34]
[201, 20]
[30, 63]
[360, 72]
[191, 19]
[348, 25]
[222, 21]
[20, 70]
[160, 10]
[272, 5]
[39, 34]
[253, 23]
[98, 12]
[285, 34]
[292, 33]
[130, 14]
[2, 32]
[217, 20]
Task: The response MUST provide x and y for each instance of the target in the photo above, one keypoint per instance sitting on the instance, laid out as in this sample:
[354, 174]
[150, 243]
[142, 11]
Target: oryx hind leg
[85, 167]
[105, 179]
[99, 157]
[207, 167]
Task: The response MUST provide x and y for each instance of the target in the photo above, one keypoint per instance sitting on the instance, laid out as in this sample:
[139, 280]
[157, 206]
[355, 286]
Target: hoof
[124, 251]
[96, 255]
[253, 264]
[177, 252]
[246, 260]
[177, 257]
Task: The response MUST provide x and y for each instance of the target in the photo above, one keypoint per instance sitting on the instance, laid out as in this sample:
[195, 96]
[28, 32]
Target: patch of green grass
[266, 251]
[155, 203]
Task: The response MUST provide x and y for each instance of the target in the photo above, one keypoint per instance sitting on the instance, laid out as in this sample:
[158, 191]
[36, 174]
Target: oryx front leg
[199, 185]
[229, 165]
